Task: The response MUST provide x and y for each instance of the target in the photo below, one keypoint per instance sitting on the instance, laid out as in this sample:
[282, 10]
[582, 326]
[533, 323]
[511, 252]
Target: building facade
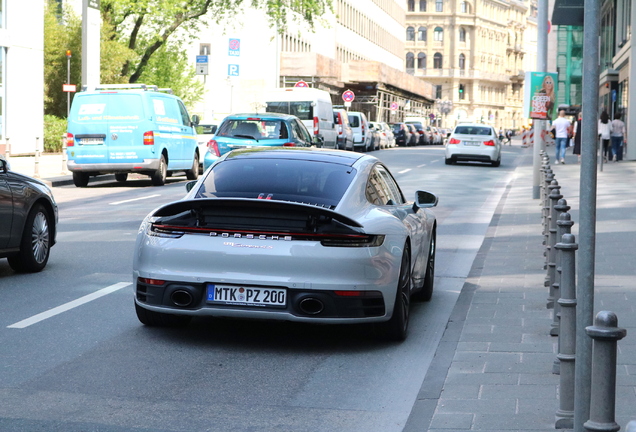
[21, 76]
[475, 53]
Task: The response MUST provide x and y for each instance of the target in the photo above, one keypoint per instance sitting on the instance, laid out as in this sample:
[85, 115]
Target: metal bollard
[36, 169]
[7, 152]
[545, 214]
[64, 155]
[605, 334]
[567, 334]
[554, 196]
[562, 227]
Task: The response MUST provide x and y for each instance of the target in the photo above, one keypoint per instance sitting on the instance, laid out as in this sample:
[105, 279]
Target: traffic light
[68, 53]
[461, 91]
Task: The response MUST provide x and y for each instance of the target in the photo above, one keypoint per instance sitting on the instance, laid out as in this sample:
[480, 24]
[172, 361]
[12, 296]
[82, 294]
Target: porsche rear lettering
[249, 246]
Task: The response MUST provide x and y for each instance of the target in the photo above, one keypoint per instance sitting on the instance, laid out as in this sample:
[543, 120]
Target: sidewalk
[493, 368]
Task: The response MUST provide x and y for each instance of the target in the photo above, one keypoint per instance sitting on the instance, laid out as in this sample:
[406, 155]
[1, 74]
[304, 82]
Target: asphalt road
[75, 358]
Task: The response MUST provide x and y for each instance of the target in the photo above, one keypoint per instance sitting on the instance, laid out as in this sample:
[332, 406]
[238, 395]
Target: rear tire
[35, 245]
[157, 319]
[448, 161]
[497, 162]
[397, 327]
[426, 292]
[159, 176]
[80, 179]
[121, 177]
[193, 173]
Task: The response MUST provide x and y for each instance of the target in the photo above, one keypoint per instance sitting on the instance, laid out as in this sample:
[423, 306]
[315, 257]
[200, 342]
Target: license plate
[471, 143]
[246, 296]
[91, 140]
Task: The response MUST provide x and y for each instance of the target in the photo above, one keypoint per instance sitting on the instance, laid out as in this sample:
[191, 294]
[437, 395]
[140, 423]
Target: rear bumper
[105, 168]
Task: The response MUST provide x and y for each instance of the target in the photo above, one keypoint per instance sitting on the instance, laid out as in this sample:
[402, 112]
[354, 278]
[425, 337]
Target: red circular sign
[348, 96]
[301, 84]
[394, 106]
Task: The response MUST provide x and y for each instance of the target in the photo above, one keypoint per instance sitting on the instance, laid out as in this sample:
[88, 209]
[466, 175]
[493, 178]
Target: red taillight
[489, 143]
[150, 281]
[289, 144]
[149, 138]
[454, 141]
[70, 140]
[316, 126]
[348, 293]
[213, 147]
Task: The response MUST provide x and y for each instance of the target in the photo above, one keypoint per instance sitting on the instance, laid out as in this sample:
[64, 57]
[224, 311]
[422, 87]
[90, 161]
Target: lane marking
[134, 199]
[420, 166]
[404, 171]
[68, 306]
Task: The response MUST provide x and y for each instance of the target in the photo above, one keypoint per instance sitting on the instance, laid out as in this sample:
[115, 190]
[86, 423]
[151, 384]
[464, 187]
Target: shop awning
[568, 12]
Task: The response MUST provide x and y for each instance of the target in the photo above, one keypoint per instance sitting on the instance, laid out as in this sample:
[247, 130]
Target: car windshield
[354, 121]
[302, 110]
[472, 130]
[256, 128]
[206, 129]
[316, 183]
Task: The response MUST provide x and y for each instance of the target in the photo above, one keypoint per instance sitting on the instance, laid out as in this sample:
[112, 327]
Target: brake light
[213, 147]
[150, 281]
[489, 143]
[348, 293]
[70, 140]
[454, 141]
[289, 144]
[316, 126]
[149, 138]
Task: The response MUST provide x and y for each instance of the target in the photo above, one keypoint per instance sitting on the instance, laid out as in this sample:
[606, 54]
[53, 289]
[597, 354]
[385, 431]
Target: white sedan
[473, 142]
[297, 234]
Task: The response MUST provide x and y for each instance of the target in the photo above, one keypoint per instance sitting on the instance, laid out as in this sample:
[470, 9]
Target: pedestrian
[561, 129]
[509, 136]
[618, 137]
[604, 133]
[576, 136]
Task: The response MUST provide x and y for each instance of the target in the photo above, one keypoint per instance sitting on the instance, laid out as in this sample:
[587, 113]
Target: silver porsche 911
[298, 234]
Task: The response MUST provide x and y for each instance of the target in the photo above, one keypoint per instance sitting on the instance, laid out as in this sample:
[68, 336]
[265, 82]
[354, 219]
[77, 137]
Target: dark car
[28, 220]
[423, 137]
[402, 134]
[414, 140]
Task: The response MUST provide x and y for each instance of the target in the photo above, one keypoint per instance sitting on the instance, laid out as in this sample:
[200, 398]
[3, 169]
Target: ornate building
[475, 53]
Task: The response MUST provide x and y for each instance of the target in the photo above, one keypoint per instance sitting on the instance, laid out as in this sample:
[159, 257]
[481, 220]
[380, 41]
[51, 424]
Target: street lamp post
[444, 106]
[68, 81]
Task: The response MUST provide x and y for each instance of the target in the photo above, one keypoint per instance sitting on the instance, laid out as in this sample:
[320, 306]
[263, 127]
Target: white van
[312, 106]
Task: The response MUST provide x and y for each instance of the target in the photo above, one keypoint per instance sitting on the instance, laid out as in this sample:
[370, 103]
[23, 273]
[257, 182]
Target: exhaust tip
[181, 298]
[311, 306]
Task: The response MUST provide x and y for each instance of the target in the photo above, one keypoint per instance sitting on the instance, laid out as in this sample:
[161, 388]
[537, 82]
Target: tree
[147, 25]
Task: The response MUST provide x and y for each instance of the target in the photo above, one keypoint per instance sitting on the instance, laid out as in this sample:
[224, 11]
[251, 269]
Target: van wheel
[159, 176]
[80, 179]
[193, 174]
[121, 177]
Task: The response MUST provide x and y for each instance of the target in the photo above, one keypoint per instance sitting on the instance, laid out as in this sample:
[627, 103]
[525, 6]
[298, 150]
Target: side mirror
[189, 185]
[424, 199]
[195, 119]
[448, 135]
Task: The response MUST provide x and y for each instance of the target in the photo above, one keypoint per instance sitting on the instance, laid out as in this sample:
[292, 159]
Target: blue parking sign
[233, 70]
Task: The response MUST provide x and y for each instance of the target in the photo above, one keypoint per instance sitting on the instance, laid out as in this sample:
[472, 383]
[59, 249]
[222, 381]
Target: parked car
[381, 141]
[205, 132]
[312, 106]
[473, 142]
[402, 134]
[345, 134]
[360, 127]
[438, 138]
[130, 128]
[239, 131]
[28, 220]
[423, 137]
[388, 131]
[413, 139]
[214, 253]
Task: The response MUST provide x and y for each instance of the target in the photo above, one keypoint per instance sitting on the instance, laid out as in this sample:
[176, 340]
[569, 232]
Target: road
[75, 358]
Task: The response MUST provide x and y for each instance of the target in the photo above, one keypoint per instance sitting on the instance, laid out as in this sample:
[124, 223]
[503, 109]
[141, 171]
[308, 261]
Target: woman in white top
[618, 137]
[604, 132]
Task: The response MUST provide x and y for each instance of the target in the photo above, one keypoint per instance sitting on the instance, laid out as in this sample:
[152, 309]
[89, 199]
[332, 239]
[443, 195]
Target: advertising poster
[540, 95]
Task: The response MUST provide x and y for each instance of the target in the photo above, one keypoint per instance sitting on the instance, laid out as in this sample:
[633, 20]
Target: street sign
[432, 116]
[202, 59]
[69, 87]
[348, 96]
[613, 95]
[233, 70]
[202, 65]
[234, 47]
[394, 106]
[301, 83]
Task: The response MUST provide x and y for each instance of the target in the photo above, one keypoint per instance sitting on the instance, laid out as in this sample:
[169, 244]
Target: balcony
[460, 73]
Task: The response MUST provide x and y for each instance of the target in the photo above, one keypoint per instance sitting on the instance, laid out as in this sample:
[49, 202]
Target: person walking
[561, 128]
[618, 137]
[576, 136]
[604, 132]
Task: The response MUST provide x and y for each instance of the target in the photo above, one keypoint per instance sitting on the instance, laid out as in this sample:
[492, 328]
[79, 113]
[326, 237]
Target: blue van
[130, 128]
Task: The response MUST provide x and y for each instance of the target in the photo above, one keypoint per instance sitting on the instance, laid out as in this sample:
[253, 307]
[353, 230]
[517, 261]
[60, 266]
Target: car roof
[300, 153]
[262, 116]
[473, 124]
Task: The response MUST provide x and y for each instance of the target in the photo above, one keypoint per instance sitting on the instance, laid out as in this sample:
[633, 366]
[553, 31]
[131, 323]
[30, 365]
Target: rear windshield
[302, 110]
[107, 107]
[472, 130]
[316, 183]
[257, 129]
[354, 121]
[418, 125]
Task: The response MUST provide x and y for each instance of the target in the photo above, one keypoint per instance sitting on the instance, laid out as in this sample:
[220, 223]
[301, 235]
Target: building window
[410, 33]
[410, 61]
[421, 61]
[438, 35]
[411, 5]
[463, 7]
[421, 34]
[438, 92]
[422, 5]
[462, 61]
[437, 61]
[462, 34]
[439, 5]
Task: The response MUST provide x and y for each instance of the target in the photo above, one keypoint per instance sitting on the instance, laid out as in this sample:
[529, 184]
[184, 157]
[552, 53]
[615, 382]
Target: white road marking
[420, 166]
[68, 306]
[134, 199]
[404, 171]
